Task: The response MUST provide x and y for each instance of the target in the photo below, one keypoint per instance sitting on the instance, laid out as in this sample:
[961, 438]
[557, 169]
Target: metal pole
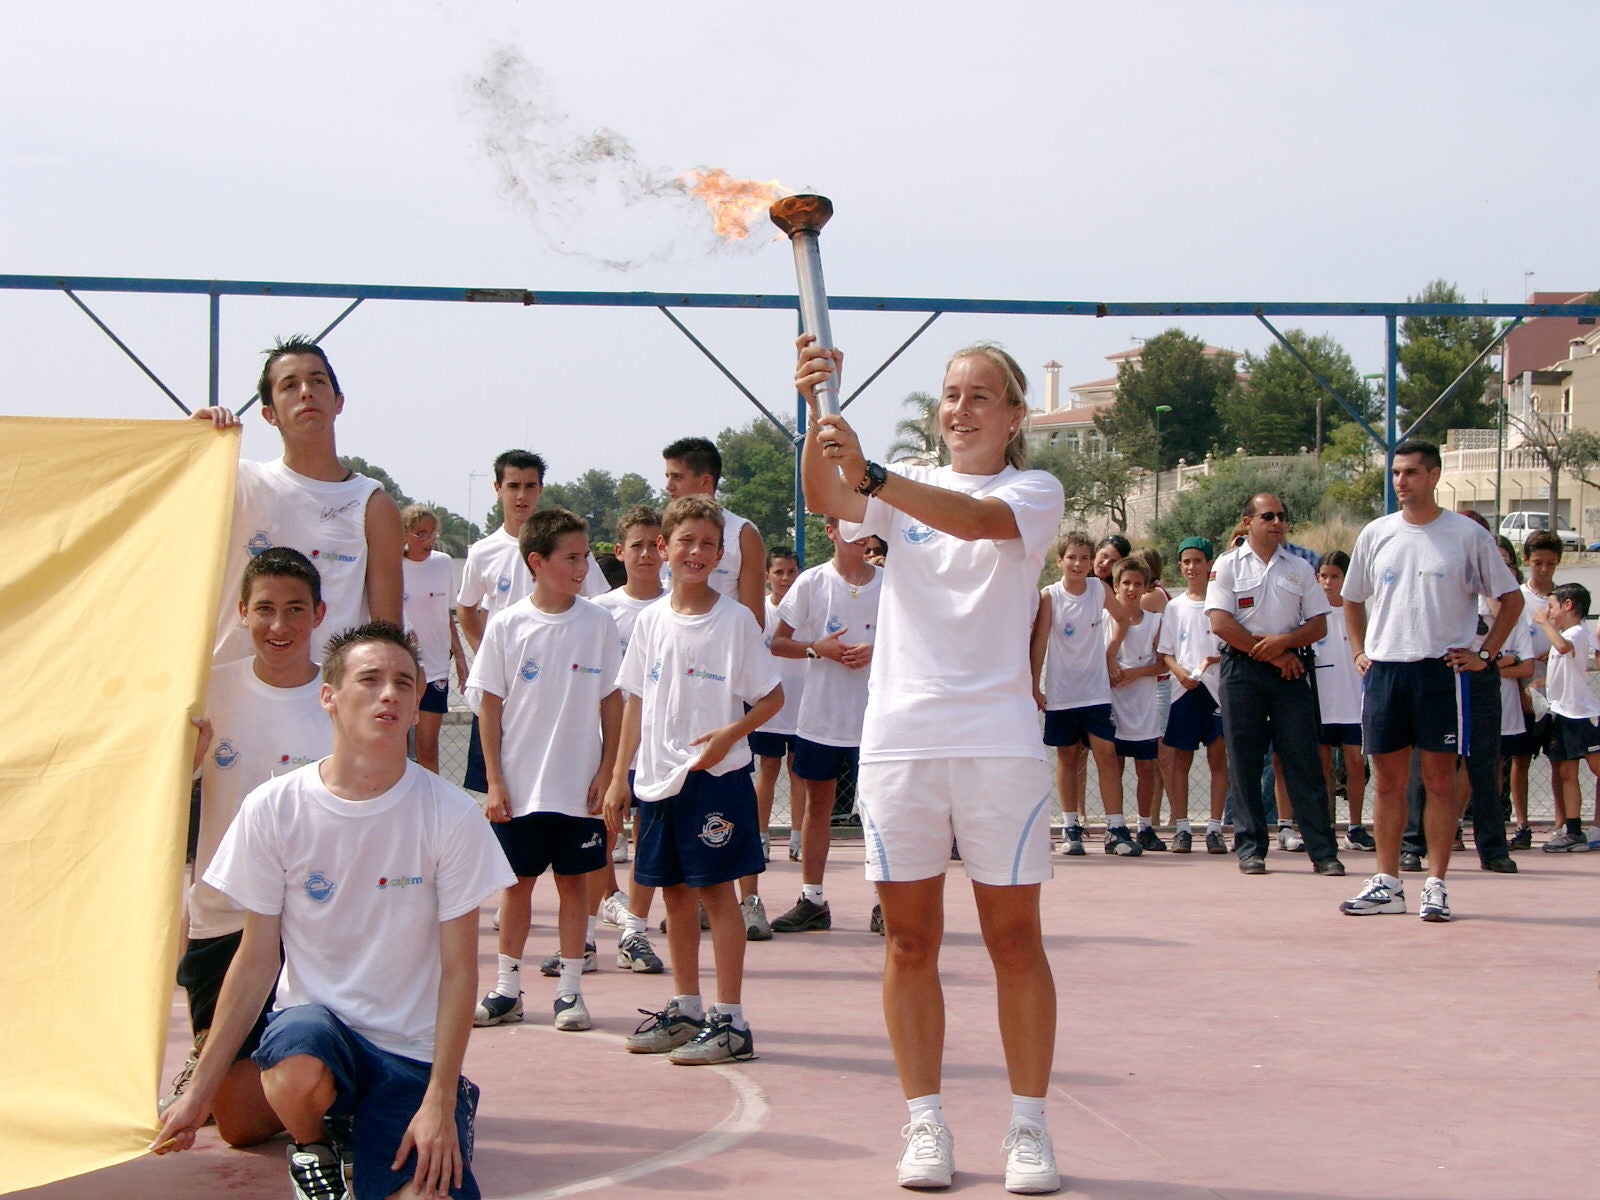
[802, 218]
[212, 393]
[801, 414]
[1390, 377]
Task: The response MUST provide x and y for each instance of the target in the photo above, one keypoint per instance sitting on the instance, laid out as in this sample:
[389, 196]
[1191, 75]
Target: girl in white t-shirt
[429, 579]
[950, 748]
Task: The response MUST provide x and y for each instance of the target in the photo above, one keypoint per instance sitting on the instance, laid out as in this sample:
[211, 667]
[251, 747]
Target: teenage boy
[375, 1000]
[694, 468]
[344, 522]
[692, 665]
[1191, 653]
[639, 551]
[1339, 702]
[827, 622]
[773, 743]
[1073, 664]
[1134, 711]
[543, 687]
[429, 582]
[1541, 555]
[263, 718]
[1574, 711]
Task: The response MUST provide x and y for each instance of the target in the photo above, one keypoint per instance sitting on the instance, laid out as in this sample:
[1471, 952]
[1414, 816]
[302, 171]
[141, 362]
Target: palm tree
[916, 438]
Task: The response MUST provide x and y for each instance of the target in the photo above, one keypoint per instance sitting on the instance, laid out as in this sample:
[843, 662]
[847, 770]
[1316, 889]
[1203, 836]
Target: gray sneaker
[716, 1042]
[662, 1031]
[571, 1012]
[1562, 842]
[180, 1081]
[756, 926]
[552, 965]
[637, 955]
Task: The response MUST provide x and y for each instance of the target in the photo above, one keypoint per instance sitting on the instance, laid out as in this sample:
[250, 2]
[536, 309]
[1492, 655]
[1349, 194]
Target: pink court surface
[1219, 1036]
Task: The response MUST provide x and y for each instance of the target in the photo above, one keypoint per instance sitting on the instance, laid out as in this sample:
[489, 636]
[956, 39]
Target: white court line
[749, 1113]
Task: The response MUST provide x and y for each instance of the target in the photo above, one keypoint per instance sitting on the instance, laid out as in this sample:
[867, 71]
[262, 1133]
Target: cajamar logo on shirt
[385, 882]
[702, 673]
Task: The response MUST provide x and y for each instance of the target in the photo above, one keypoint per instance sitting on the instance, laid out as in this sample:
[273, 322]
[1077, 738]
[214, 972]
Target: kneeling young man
[371, 871]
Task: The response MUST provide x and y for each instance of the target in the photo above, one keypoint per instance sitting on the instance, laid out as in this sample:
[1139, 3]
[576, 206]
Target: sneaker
[717, 1042]
[1030, 1161]
[1072, 844]
[1410, 861]
[1120, 841]
[1215, 842]
[552, 965]
[495, 1009]
[1149, 840]
[705, 920]
[1357, 838]
[340, 1133]
[1328, 866]
[1562, 842]
[1289, 839]
[619, 852]
[1376, 897]
[876, 924]
[180, 1081]
[1435, 904]
[766, 848]
[571, 1012]
[1461, 842]
[756, 926]
[662, 1031]
[929, 1159]
[1182, 842]
[636, 954]
[315, 1172]
[1521, 838]
[794, 852]
[614, 908]
[1501, 864]
[803, 917]
[1252, 864]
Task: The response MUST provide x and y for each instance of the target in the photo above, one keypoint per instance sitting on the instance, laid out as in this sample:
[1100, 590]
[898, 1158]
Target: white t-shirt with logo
[327, 522]
[551, 670]
[1075, 657]
[1512, 719]
[1186, 635]
[428, 585]
[1133, 704]
[823, 602]
[495, 574]
[725, 575]
[1338, 681]
[624, 610]
[1567, 684]
[1538, 643]
[362, 887]
[692, 674]
[791, 673]
[258, 732]
[951, 676]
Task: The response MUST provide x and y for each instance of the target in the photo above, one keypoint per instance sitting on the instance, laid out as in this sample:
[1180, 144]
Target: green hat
[1197, 543]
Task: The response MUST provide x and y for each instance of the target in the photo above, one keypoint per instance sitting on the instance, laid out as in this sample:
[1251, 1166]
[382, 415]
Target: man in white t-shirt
[370, 870]
[1411, 608]
[694, 468]
[343, 522]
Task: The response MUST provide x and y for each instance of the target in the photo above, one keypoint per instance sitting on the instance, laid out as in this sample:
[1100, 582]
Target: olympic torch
[802, 218]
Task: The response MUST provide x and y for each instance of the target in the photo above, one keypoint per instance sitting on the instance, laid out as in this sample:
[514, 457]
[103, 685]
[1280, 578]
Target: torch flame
[734, 203]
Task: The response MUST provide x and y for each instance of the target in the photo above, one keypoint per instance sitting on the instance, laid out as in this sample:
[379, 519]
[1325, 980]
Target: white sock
[812, 892]
[1074, 818]
[1214, 825]
[926, 1108]
[571, 977]
[632, 924]
[1116, 821]
[1027, 1110]
[1391, 882]
[794, 839]
[510, 981]
[588, 932]
[1144, 823]
[1183, 825]
[1285, 824]
[734, 1012]
[690, 1007]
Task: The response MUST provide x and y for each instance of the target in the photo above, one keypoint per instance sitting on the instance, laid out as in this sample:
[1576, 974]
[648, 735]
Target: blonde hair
[1016, 390]
[413, 515]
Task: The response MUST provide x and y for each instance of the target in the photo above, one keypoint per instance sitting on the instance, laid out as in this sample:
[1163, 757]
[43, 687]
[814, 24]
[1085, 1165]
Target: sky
[1050, 149]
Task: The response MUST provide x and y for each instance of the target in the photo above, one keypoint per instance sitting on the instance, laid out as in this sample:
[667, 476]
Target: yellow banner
[112, 536]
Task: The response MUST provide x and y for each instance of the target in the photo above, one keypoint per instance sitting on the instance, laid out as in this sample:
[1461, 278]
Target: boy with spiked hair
[1192, 653]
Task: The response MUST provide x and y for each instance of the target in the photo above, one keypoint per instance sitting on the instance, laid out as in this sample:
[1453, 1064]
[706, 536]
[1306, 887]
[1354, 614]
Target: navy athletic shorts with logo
[705, 835]
[436, 697]
[1194, 720]
[1339, 734]
[1073, 726]
[820, 763]
[771, 745]
[564, 844]
[1572, 738]
[1421, 704]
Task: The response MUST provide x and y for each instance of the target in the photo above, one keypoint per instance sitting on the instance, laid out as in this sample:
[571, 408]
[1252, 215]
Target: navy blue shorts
[1341, 735]
[1075, 726]
[1143, 750]
[201, 971]
[820, 763]
[1572, 738]
[1194, 720]
[564, 844]
[436, 697]
[1421, 704]
[705, 835]
[476, 777]
[380, 1091]
[771, 745]
[1530, 743]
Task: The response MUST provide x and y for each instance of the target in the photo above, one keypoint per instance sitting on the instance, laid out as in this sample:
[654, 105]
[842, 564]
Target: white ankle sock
[1027, 1110]
[812, 892]
[926, 1108]
[1213, 826]
[1116, 821]
[571, 977]
[632, 924]
[510, 981]
[734, 1012]
[1183, 826]
[690, 1007]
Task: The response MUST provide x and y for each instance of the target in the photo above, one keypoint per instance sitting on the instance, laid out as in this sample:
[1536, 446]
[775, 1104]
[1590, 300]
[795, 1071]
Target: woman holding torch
[951, 749]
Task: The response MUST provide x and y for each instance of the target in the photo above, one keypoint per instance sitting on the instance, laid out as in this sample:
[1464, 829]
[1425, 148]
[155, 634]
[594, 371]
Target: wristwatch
[874, 479]
[811, 651]
[1485, 656]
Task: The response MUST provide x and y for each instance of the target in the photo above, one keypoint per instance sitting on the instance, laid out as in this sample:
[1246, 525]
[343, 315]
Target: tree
[758, 478]
[1354, 464]
[1575, 451]
[1433, 352]
[1274, 408]
[1212, 508]
[456, 533]
[1173, 369]
[1095, 484]
[916, 438]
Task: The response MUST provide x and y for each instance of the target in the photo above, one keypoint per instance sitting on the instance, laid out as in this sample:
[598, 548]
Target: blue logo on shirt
[834, 625]
[259, 544]
[655, 671]
[224, 755]
[503, 584]
[919, 533]
[529, 671]
[319, 887]
[1069, 629]
[1389, 576]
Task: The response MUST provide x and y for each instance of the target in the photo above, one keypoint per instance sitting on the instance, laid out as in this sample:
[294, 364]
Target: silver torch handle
[802, 218]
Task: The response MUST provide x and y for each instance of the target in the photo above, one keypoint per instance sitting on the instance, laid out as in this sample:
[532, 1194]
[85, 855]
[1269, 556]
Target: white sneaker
[571, 1012]
[1435, 904]
[756, 926]
[1376, 896]
[619, 852]
[1288, 839]
[1030, 1161]
[614, 908]
[929, 1159]
[766, 848]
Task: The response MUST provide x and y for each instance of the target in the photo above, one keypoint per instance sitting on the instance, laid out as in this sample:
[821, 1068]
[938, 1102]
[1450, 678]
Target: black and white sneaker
[1215, 842]
[1435, 904]
[1072, 844]
[1150, 840]
[316, 1173]
[495, 1009]
[1378, 896]
[552, 965]
[636, 954]
[717, 1042]
[1120, 841]
[662, 1031]
[1357, 838]
[876, 924]
[1182, 842]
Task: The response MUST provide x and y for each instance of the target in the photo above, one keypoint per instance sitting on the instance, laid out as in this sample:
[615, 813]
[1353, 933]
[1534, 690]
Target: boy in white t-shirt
[830, 603]
[1191, 652]
[543, 687]
[693, 663]
[1134, 707]
[773, 743]
[429, 582]
[263, 718]
[1339, 702]
[639, 551]
[1574, 710]
[369, 871]
[1072, 662]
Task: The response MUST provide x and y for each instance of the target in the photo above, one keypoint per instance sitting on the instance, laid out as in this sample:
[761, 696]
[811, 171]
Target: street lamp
[1160, 408]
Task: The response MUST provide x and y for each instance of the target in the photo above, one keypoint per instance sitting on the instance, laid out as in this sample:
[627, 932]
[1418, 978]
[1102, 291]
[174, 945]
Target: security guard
[1267, 608]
